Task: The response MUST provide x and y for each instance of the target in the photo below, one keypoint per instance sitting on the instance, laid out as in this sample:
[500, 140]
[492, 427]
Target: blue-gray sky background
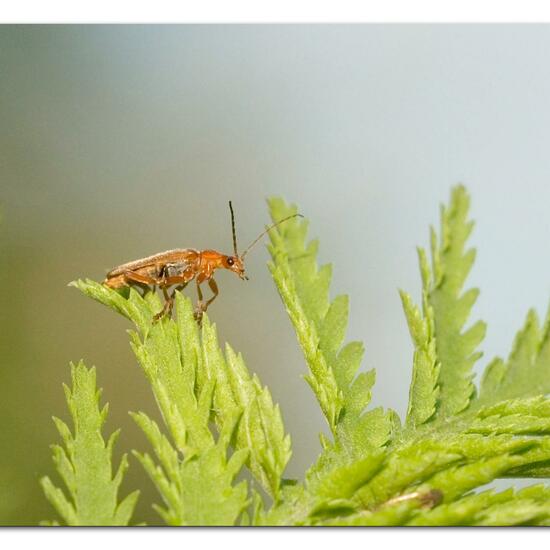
[120, 141]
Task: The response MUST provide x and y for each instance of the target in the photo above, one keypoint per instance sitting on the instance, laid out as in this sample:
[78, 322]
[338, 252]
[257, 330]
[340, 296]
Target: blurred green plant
[219, 420]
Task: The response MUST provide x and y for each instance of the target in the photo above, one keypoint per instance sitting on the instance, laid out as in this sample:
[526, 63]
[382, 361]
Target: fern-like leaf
[424, 389]
[85, 462]
[373, 471]
[527, 371]
[320, 326]
[199, 490]
[195, 383]
[455, 347]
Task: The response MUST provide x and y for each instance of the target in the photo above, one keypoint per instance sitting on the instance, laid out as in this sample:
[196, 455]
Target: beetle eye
[230, 261]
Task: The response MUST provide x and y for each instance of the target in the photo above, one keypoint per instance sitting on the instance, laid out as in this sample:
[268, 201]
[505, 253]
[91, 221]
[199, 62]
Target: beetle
[177, 268]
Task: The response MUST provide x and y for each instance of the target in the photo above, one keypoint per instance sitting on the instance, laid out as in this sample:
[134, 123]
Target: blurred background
[117, 142]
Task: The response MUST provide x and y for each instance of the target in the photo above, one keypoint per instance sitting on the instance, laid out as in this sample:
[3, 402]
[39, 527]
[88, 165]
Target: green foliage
[320, 327]
[85, 463]
[219, 420]
[200, 391]
[198, 490]
[452, 442]
[455, 347]
[424, 389]
[527, 371]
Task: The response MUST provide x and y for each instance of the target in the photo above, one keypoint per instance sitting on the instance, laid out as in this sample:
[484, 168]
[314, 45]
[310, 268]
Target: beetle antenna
[272, 226]
[233, 229]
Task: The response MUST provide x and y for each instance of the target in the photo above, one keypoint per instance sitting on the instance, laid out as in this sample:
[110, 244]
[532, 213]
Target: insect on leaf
[219, 419]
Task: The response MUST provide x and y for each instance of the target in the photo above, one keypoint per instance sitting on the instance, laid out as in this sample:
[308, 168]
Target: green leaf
[372, 471]
[424, 390]
[195, 383]
[304, 289]
[526, 507]
[527, 416]
[455, 346]
[527, 371]
[199, 490]
[261, 428]
[466, 511]
[85, 462]
[320, 326]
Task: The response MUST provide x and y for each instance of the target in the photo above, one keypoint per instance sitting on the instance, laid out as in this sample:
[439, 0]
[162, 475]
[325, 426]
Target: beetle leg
[199, 291]
[173, 296]
[167, 308]
[201, 306]
[128, 278]
[164, 283]
[214, 288]
[139, 280]
[181, 281]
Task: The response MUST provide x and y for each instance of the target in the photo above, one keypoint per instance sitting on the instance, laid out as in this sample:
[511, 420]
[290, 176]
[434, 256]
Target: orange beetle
[179, 267]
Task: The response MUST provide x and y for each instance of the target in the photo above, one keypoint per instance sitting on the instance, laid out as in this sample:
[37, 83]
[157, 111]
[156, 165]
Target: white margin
[256, 11]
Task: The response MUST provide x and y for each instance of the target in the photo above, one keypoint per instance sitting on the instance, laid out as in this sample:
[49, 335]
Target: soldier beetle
[177, 268]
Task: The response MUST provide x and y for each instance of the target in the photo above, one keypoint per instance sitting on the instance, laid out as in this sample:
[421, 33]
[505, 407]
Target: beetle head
[235, 264]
